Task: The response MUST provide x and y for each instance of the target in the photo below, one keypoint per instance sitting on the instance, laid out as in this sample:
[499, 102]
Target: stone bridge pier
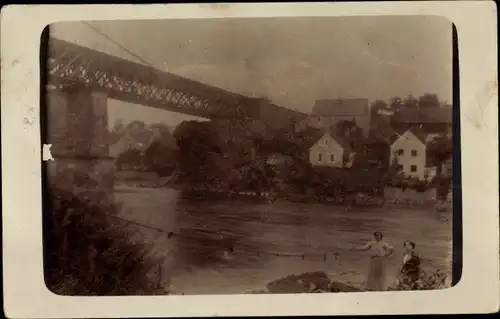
[77, 127]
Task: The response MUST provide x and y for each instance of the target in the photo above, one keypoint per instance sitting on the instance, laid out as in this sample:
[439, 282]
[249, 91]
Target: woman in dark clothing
[410, 268]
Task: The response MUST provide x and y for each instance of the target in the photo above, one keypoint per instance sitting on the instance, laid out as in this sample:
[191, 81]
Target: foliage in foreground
[430, 280]
[86, 253]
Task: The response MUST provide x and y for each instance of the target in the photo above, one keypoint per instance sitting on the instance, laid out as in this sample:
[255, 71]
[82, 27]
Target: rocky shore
[312, 282]
[319, 282]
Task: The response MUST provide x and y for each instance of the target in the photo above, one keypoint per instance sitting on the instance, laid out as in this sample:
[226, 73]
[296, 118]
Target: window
[326, 141]
[320, 156]
[332, 158]
[400, 152]
[413, 168]
[413, 153]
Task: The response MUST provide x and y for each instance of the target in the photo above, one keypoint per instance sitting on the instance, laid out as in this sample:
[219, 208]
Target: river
[269, 239]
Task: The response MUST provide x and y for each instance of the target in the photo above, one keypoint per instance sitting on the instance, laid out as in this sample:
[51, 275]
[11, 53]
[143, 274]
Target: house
[276, 117]
[324, 148]
[437, 120]
[409, 151]
[327, 113]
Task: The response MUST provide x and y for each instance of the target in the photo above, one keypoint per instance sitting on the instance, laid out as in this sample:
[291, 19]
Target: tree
[428, 101]
[346, 128]
[160, 158]
[118, 126]
[117, 132]
[377, 110]
[351, 132]
[411, 102]
[140, 133]
[378, 106]
[439, 149]
[162, 133]
[395, 103]
[205, 152]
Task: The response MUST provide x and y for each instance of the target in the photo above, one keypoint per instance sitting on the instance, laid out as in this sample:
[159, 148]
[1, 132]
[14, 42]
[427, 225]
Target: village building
[436, 120]
[406, 148]
[327, 113]
[277, 117]
[409, 152]
[323, 148]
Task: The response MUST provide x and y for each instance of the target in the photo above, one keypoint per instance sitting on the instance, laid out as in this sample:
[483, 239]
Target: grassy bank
[88, 252]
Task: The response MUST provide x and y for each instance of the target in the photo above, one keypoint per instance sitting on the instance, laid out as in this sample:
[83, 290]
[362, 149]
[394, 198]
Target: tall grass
[86, 252]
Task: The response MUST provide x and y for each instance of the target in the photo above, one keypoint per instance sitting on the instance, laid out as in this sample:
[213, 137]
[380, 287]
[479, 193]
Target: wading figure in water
[379, 251]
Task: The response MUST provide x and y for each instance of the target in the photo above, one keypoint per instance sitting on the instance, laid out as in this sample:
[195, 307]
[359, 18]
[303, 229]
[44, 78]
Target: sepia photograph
[259, 155]
[253, 159]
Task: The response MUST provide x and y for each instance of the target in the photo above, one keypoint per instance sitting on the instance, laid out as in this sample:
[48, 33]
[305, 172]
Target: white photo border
[25, 293]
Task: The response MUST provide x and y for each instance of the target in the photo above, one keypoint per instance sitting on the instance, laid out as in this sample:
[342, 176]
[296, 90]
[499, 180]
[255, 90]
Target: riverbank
[358, 200]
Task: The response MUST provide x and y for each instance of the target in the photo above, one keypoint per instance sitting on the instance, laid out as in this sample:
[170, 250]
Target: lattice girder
[69, 64]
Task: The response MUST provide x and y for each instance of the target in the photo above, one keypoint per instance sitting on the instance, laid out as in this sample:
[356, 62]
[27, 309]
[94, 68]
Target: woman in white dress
[379, 252]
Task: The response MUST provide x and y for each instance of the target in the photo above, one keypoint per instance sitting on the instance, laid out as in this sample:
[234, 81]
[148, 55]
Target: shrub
[433, 280]
[427, 281]
[86, 252]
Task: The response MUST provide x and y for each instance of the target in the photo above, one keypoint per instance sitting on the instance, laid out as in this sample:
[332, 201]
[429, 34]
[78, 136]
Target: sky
[291, 61]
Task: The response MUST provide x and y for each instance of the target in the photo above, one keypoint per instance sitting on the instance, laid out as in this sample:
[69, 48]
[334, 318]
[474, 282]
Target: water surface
[270, 240]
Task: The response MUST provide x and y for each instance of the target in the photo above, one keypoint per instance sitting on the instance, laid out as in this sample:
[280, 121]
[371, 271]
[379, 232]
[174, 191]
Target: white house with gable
[409, 152]
[328, 151]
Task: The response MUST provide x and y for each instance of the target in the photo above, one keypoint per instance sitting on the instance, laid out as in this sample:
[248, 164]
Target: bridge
[79, 82]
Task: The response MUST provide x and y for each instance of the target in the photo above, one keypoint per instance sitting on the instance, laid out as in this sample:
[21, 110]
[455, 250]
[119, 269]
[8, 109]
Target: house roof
[422, 116]
[342, 141]
[418, 132]
[437, 115]
[341, 107]
[407, 115]
[308, 137]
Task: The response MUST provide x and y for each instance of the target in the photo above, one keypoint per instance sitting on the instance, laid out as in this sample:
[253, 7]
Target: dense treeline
[142, 147]
[234, 155]
[228, 155]
[394, 104]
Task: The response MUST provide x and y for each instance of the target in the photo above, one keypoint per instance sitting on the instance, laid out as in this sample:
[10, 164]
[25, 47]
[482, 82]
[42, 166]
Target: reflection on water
[233, 246]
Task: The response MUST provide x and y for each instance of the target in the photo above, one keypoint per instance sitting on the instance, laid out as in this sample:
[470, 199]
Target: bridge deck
[70, 64]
